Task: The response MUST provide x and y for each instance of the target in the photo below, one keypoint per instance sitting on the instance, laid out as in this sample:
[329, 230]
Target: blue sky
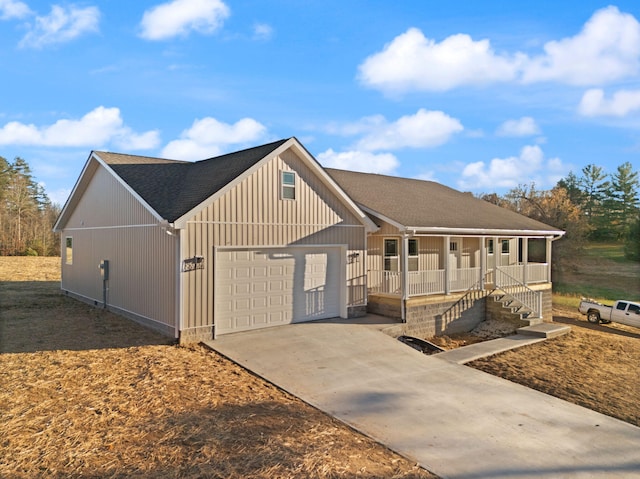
[480, 96]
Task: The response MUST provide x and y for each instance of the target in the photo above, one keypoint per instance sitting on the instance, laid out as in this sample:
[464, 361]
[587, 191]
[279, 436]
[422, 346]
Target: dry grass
[89, 394]
[595, 366]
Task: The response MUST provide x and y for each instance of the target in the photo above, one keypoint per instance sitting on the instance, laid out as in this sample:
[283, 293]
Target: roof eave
[483, 231]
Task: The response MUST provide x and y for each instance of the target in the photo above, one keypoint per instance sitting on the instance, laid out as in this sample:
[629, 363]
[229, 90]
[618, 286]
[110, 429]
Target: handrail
[460, 305]
[520, 292]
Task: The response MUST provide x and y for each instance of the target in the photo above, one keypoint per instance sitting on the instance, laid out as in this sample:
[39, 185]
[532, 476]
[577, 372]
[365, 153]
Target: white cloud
[208, 137]
[622, 103]
[425, 129]
[13, 9]
[607, 49]
[63, 24]
[525, 126]
[180, 17]
[262, 31]
[413, 62]
[97, 128]
[529, 165]
[364, 161]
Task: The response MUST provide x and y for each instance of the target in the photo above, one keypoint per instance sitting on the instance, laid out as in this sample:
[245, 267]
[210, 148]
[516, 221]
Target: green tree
[26, 213]
[622, 199]
[572, 185]
[595, 187]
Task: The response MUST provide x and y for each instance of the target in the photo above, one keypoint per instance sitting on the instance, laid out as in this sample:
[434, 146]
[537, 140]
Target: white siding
[109, 223]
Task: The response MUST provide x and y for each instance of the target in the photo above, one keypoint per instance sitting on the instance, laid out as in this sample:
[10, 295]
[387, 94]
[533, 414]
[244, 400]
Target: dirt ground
[595, 366]
[87, 394]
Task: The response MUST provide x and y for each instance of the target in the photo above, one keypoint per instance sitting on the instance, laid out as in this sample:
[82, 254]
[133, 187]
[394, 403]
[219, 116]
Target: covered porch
[419, 265]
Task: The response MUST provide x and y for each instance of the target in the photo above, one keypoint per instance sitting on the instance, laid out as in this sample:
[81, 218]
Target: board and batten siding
[111, 224]
[253, 214]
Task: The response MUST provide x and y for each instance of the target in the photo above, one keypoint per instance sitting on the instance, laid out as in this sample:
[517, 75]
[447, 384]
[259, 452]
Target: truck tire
[593, 316]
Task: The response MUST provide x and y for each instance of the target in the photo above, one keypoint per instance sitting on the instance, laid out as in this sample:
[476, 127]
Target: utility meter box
[104, 269]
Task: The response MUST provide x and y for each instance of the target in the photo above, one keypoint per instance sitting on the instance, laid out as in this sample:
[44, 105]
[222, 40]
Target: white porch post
[447, 275]
[549, 240]
[483, 261]
[404, 262]
[525, 259]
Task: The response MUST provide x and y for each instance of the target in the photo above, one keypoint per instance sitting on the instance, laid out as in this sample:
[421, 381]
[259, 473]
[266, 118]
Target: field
[88, 394]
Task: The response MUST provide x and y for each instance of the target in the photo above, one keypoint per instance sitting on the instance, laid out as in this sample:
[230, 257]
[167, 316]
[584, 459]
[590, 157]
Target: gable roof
[426, 206]
[171, 187]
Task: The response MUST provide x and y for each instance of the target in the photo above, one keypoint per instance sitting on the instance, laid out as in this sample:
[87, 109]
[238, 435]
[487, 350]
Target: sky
[482, 96]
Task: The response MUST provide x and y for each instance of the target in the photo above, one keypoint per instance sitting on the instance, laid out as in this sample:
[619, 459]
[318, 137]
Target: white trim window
[413, 256]
[505, 246]
[391, 254]
[68, 250]
[288, 185]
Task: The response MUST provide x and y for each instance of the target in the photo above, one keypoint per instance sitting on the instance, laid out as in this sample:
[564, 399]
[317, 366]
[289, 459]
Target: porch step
[545, 330]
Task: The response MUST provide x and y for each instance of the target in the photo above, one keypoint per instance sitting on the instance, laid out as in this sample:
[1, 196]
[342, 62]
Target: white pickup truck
[623, 312]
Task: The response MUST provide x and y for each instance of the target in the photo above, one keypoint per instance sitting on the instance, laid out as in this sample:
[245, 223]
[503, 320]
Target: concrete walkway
[454, 420]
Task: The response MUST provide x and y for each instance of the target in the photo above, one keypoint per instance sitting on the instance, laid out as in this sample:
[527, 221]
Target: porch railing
[535, 272]
[519, 292]
[434, 281]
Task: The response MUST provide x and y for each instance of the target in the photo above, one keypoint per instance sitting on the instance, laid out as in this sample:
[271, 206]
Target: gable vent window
[288, 185]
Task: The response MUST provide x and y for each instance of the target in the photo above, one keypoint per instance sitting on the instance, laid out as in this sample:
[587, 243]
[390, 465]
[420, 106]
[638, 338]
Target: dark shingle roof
[171, 187]
[425, 204]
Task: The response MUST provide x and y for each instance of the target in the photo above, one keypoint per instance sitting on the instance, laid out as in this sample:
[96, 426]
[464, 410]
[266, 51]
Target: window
[391, 255]
[68, 250]
[288, 185]
[453, 246]
[413, 255]
[621, 306]
[505, 246]
[490, 246]
[634, 309]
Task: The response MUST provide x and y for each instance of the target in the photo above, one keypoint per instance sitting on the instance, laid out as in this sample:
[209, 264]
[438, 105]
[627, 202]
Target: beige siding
[109, 223]
[252, 214]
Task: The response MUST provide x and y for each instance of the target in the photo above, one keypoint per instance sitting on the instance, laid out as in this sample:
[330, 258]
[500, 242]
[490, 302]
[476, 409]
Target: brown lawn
[88, 394]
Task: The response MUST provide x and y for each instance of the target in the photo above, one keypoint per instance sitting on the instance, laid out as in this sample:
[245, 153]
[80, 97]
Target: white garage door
[269, 287]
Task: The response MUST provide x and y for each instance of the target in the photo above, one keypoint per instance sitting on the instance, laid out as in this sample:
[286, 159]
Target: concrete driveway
[453, 420]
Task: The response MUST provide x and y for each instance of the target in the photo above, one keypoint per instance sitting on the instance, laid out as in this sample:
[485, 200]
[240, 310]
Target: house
[438, 253]
[266, 236]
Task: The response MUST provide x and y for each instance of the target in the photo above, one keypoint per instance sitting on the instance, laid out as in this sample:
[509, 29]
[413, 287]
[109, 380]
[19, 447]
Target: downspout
[405, 276]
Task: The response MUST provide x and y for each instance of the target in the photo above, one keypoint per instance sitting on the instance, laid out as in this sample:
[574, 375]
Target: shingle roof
[426, 204]
[172, 187]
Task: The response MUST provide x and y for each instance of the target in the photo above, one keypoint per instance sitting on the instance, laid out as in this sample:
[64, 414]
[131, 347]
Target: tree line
[27, 215]
[591, 206]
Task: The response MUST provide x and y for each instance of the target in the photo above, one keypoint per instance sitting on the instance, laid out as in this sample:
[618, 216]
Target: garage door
[270, 287]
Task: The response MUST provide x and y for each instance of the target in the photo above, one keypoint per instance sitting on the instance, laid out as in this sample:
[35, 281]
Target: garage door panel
[273, 287]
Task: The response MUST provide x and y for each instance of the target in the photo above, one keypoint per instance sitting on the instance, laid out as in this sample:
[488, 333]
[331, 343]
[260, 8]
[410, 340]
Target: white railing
[463, 279]
[388, 282]
[433, 281]
[519, 292]
[426, 282]
[537, 272]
